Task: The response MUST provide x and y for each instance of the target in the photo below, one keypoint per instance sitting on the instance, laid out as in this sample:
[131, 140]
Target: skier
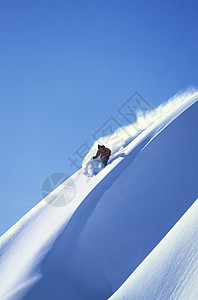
[104, 153]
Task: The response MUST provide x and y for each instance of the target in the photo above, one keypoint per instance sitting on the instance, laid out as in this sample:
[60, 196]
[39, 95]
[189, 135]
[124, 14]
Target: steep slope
[88, 248]
[171, 270]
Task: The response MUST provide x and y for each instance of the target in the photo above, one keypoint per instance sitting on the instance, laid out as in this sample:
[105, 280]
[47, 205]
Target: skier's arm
[97, 154]
[108, 150]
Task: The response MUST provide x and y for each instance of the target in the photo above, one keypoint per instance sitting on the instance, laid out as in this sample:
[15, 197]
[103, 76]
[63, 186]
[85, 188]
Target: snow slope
[88, 248]
[124, 135]
[171, 270]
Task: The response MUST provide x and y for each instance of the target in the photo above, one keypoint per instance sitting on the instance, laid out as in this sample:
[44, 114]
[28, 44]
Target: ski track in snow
[88, 248]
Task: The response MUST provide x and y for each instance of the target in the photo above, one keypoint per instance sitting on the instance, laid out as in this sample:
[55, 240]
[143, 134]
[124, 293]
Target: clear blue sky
[67, 66]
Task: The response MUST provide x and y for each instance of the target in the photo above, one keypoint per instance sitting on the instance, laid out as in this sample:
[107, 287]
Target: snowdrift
[117, 225]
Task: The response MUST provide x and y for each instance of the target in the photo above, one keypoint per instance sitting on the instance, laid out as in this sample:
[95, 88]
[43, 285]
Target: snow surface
[170, 271]
[120, 224]
[124, 135]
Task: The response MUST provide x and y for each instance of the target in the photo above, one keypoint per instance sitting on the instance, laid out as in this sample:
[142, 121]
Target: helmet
[100, 146]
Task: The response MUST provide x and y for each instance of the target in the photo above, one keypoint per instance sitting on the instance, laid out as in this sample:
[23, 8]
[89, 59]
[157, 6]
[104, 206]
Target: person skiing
[104, 153]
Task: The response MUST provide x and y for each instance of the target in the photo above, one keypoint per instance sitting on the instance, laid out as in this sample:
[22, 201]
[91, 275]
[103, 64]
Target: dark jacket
[103, 152]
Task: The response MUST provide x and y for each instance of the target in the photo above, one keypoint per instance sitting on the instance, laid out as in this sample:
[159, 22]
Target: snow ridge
[124, 135]
[118, 224]
[171, 269]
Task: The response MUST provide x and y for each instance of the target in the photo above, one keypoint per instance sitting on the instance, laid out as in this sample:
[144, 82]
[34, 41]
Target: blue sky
[67, 66]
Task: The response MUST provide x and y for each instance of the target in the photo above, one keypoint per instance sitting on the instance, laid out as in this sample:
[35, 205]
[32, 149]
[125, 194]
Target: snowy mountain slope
[124, 135]
[25, 244]
[171, 270]
[88, 248]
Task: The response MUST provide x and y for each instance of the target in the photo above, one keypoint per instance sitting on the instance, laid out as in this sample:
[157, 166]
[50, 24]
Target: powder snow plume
[124, 135]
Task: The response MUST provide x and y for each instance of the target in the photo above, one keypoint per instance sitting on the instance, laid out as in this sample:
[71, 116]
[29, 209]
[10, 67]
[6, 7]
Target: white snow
[120, 223]
[124, 135]
[170, 271]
